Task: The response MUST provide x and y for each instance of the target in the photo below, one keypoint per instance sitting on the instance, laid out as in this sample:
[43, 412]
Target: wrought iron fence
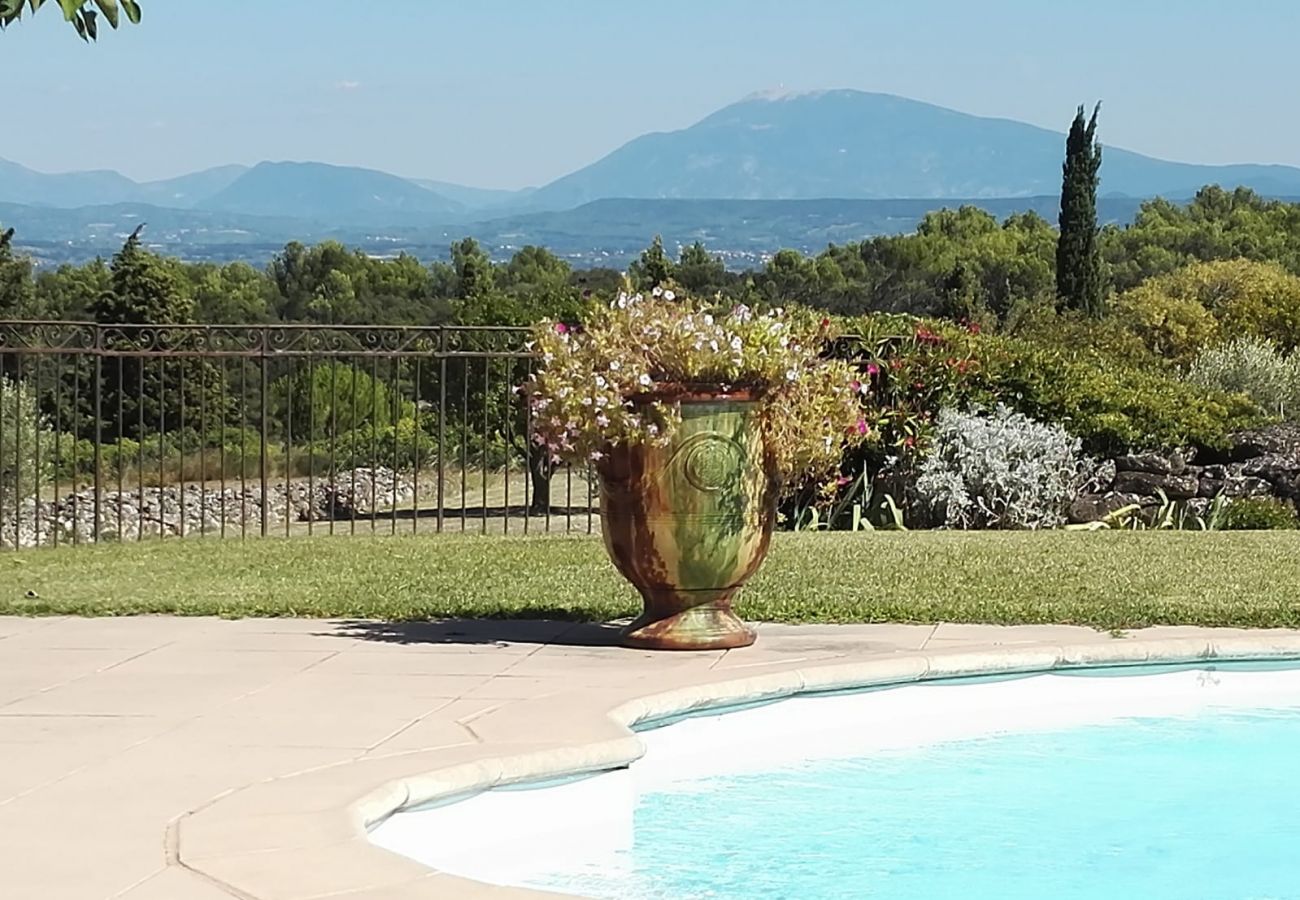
[123, 432]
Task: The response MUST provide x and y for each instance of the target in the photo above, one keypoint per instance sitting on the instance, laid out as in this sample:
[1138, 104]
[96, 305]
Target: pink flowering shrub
[611, 381]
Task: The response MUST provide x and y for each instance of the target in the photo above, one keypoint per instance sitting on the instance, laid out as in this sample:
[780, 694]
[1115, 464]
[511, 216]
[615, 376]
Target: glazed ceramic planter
[689, 523]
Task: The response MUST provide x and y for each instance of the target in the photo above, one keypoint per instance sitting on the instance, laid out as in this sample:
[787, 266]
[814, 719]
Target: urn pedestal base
[676, 622]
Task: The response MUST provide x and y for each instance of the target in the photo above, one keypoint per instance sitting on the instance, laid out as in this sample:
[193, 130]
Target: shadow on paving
[483, 631]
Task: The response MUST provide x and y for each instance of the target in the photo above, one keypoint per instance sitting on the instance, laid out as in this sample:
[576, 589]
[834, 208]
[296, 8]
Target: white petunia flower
[644, 380]
[669, 295]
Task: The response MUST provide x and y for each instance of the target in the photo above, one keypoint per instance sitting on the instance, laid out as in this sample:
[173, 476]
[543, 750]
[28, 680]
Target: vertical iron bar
[180, 431]
[506, 446]
[120, 486]
[415, 453]
[311, 446]
[265, 459]
[374, 444]
[568, 498]
[528, 451]
[288, 444]
[18, 449]
[483, 447]
[395, 370]
[243, 448]
[442, 422]
[99, 445]
[203, 439]
[334, 437]
[464, 438]
[221, 446]
[141, 362]
[36, 453]
[76, 414]
[162, 431]
[58, 441]
[352, 446]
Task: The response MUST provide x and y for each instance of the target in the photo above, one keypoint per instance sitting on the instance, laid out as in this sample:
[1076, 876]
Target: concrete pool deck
[199, 759]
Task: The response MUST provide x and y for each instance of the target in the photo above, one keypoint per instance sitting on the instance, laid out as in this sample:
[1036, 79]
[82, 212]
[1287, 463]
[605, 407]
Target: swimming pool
[1154, 783]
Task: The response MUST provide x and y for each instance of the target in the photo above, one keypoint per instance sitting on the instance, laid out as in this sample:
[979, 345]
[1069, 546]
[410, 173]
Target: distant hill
[473, 198]
[188, 190]
[19, 184]
[338, 194]
[840, 144]
[853, 144]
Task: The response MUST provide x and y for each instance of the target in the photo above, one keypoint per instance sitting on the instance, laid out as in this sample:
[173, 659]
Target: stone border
[305, 835]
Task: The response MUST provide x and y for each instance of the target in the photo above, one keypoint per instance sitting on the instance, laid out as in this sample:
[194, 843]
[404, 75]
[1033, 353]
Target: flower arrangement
[611, 381]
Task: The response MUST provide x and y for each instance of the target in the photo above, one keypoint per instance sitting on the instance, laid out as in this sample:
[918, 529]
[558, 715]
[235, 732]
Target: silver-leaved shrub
[1000, 470]
[1253, 366]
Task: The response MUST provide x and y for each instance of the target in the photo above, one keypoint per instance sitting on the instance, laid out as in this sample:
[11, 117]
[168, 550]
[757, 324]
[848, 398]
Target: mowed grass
[1111, 580]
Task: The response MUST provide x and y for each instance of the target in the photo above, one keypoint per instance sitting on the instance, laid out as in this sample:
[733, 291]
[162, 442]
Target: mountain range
[826, 145]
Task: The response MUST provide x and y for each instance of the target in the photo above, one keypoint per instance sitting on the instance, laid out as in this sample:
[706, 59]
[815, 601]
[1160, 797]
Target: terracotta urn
[688, 523]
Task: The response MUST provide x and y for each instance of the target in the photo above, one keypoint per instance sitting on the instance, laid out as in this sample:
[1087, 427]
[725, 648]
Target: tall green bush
[334, 399]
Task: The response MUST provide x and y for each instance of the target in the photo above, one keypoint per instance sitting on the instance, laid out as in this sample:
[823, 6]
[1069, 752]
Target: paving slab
[158, 758]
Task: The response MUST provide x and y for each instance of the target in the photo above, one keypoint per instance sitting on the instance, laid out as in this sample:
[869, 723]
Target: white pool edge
[615, 745]
[618, 752]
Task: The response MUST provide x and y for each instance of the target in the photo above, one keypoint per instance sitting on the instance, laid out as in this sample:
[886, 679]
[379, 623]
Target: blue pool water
[1207, 807]
[1160, 784]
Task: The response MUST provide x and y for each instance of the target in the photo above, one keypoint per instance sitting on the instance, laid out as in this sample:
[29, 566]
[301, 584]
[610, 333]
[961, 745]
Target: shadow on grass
[549, 629]
[477, 511]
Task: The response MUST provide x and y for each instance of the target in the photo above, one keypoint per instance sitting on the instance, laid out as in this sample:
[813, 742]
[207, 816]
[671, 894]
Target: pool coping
[305, 835]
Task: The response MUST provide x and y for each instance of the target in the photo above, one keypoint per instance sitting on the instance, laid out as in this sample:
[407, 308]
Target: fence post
[99, 426]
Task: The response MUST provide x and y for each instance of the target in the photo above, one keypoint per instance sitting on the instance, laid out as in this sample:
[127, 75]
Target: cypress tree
[1079, 280]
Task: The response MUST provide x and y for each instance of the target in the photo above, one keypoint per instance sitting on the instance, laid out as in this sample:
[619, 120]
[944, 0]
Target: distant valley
[769, 171]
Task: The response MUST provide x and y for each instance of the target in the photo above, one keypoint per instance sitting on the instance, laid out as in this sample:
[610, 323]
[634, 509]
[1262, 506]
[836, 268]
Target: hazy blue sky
[505, 94]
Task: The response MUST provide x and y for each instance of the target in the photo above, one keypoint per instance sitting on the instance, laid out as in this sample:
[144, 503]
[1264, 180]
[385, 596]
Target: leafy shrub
[1247, 298]
[336, 398]
[1170, 326]
[1000, 471]
[1254, 367]
[22, 430]
[921, 366]
[1259, 514]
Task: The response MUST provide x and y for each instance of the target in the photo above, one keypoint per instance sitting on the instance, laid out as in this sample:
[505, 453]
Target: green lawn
[1106, 580]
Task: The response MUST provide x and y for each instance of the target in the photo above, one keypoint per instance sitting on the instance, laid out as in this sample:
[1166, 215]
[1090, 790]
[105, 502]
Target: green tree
[83, 15]
[699, 271]
[1079, 279]
[653, 268]
[69, 292]
[146, 393]
[233, 294]
[474, 275]
[17, 290]
[143, 290]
